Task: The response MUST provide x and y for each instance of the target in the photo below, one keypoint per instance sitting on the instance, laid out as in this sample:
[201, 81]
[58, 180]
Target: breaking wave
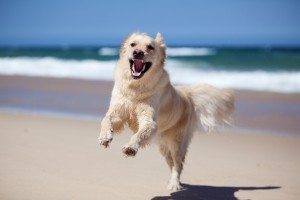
[278, 81]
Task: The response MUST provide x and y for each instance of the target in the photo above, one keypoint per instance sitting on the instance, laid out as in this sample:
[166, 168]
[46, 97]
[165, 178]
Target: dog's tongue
[138, 65]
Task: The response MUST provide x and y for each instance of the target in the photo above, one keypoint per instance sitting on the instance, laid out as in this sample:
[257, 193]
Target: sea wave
[278, 81]
[54, 67]
[185, 51]
[171, 51]
[107, 51]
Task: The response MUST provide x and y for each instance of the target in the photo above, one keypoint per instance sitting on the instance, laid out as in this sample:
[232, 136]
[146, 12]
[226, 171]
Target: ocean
[261, 69]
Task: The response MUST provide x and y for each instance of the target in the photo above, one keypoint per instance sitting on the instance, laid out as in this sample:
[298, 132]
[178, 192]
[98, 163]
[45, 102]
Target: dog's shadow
[193, 192]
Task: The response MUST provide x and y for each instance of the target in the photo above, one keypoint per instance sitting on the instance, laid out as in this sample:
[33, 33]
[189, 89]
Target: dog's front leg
[111, 123]
[147, 128]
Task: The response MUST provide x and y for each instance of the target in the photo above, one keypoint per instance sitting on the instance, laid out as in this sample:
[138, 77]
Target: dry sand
[52, 158]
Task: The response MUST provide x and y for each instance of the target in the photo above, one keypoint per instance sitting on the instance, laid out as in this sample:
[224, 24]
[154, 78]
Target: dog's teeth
[136, 73]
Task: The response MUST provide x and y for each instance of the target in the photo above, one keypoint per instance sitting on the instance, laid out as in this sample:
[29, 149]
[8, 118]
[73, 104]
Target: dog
[144, 99]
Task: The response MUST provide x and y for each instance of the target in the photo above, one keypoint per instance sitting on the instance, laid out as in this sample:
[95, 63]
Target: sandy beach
[46, 157]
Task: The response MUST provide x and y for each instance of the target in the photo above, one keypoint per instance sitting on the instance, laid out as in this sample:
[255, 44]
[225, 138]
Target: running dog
[144, 99]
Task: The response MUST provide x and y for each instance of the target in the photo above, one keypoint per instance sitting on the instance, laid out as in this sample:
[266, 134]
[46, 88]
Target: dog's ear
[160, 40]
[162, 47]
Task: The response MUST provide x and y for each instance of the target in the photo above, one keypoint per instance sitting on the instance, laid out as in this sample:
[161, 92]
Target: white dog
[144, 99]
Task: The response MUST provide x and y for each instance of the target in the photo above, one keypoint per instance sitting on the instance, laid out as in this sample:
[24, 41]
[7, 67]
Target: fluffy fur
[148, 103]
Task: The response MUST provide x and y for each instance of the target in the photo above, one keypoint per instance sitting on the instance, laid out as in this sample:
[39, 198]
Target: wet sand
[256, 111]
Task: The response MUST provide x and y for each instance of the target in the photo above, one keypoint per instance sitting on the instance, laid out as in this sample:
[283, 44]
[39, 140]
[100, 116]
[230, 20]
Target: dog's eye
[150, 47]
[132, 44]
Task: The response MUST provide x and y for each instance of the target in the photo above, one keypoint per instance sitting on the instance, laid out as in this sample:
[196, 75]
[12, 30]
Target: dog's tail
[213, 106]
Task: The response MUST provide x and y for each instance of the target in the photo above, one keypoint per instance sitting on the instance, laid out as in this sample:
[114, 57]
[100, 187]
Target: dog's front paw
[105, 139]
[129, 151]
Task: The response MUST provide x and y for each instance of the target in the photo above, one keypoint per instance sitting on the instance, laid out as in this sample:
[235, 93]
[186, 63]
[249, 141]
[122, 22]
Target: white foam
[53, 67]
[185, 51]
[278, 81]
[106, 51]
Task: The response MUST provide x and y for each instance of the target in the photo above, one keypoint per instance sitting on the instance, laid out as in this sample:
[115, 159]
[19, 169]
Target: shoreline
[97, 119]
[255, 111]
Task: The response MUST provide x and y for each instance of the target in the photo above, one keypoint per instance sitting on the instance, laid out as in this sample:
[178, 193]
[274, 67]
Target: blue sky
[192, 22]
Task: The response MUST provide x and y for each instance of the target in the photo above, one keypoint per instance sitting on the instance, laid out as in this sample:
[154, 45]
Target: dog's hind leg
[178, 153]
[167, 154]
[174, 183]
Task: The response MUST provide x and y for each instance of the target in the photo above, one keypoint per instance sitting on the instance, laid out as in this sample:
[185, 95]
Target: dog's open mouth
[139, 67]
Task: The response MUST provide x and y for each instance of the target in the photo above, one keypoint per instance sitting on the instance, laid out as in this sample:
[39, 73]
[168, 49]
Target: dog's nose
[138, 54]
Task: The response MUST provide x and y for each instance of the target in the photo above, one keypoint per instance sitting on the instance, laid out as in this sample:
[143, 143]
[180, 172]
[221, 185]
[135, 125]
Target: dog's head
[142, 53]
